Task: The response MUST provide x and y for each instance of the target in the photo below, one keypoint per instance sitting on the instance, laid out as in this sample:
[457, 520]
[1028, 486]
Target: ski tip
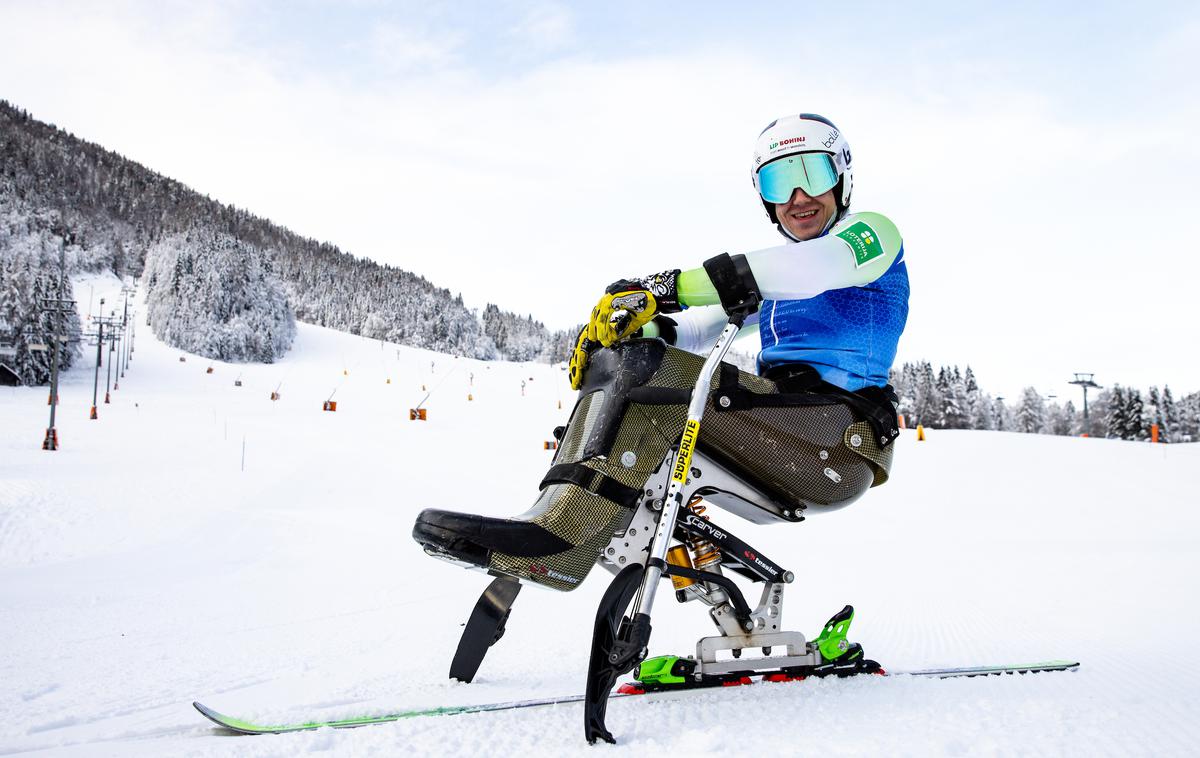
[207, 712]
[230, 723]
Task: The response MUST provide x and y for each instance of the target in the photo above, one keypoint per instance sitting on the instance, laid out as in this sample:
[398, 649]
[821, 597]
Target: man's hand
[626, 307]
[630, 304]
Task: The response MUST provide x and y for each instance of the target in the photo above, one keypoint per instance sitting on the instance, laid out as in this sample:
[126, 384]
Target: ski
[242, 726]
[1028, 668]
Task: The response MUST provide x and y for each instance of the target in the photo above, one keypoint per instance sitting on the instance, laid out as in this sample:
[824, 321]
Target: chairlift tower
[123, 357]
[1085, 381]
[100, 335]
[114, 334]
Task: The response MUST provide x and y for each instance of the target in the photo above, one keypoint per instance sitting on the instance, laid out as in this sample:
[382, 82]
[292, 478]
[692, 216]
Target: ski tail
[1019, 668]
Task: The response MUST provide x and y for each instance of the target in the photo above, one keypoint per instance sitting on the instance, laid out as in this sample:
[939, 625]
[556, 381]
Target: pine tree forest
[952, 399]
[223, 283]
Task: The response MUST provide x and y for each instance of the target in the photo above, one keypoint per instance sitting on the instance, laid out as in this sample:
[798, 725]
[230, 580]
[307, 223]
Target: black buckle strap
[801, 385]
[735, 283]
[593, 481]
[660, 395]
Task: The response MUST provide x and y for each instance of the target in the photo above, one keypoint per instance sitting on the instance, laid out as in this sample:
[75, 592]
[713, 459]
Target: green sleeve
[695, 288]
[856, 251]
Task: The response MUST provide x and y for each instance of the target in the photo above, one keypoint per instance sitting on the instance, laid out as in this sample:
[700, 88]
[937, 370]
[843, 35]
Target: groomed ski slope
[142, 568]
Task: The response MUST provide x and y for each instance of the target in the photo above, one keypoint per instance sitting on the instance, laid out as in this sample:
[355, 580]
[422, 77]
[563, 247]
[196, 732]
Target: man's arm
[695, 329]
[857, 250]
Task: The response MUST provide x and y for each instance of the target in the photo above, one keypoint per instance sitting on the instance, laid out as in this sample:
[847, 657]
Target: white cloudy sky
[1039, 158]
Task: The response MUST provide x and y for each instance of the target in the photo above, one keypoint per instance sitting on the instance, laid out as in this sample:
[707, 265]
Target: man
[840, 314]
[813, 432]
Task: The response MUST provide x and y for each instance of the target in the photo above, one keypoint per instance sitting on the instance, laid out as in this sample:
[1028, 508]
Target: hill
[110, 213]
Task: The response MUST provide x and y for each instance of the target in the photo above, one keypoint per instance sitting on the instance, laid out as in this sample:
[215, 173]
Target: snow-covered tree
[1060, 419]
[1031, 412]
[978, 405]
[1169, 416]
[1136, 427]
[927, 400]
[32, 245]
[1116, 420]
[1188, 418]
[952, 413]
[214, 295]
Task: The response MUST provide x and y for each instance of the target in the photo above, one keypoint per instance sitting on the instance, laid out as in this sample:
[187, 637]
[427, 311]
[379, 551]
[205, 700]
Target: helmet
[805, 151]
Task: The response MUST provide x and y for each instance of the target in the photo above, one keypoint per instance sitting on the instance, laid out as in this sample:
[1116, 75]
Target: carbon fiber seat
[630, 413]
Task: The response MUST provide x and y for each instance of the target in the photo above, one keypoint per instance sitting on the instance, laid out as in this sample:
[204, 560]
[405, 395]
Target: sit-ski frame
[637, 555]
[741, 627]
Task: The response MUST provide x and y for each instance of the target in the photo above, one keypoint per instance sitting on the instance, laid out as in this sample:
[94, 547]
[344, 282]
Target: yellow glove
[579, 359]
[626, 307]
[630, 304]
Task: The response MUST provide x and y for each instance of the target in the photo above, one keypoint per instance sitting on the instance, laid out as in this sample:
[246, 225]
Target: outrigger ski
[654, 685]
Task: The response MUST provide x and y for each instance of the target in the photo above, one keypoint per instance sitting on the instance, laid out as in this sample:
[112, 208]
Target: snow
[143, 566]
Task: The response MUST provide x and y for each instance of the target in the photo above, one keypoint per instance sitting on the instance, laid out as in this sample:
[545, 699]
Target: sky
[1038, 158]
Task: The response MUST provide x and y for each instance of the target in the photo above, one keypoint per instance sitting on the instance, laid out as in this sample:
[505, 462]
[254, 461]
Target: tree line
[952, 399]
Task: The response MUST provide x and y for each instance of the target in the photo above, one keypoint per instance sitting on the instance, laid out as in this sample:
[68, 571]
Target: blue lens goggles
[812, 172]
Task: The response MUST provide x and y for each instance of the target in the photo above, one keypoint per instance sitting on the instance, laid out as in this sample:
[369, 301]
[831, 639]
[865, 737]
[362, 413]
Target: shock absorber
[702, 555]
[705, 555]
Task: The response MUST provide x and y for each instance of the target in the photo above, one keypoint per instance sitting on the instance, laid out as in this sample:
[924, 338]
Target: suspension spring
[704, 553]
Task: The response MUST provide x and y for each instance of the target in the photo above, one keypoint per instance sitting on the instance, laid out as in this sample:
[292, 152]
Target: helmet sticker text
[786, 142]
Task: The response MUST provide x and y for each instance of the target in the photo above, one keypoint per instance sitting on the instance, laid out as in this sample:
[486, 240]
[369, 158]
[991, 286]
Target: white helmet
[805, 151]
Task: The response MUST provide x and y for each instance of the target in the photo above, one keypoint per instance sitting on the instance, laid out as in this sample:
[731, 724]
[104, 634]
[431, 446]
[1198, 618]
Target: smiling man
[835, 299]
[814, 430]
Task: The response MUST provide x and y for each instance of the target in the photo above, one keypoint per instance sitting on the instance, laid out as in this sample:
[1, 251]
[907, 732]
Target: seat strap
[806, 388]
[593, 481]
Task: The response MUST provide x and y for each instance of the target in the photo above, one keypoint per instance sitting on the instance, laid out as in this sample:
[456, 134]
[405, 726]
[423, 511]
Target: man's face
[806, 217]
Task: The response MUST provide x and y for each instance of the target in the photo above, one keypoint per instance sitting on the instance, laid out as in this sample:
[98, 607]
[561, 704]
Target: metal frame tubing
[680, 466]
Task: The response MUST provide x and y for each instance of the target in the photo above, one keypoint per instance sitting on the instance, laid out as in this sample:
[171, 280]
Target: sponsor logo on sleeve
[863, 243]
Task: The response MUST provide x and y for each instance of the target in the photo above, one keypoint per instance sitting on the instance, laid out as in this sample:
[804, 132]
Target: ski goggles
[812, 172]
